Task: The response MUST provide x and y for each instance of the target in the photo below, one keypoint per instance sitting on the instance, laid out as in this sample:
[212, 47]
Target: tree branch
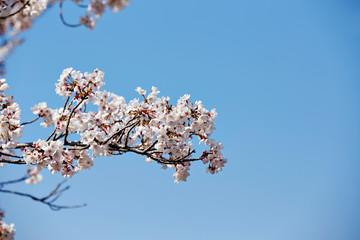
[145, 152]
[49, 199]
[70, 116]
[63, 20]
[9, 155]
[120, 131]
[22, 124]
[19, 162]
[127, 135]
[14, 181]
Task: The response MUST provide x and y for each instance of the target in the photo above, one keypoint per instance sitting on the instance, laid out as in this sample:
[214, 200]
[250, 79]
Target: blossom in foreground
[7, 232]
[149, 125]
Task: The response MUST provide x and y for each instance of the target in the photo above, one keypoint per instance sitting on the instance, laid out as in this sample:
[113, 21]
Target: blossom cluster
[10, 127]
[148, 125]
[7, 232]
[52, 155]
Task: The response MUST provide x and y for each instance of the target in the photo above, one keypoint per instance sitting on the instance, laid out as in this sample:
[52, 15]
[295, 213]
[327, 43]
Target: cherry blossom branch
[150, 127]
[122, 130]
[151, 146]
[127, 135]
[47, 200]
[114, 146]
[66, 102]
[145, 152]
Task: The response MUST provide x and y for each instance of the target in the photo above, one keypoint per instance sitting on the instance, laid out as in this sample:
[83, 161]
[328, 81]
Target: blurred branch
[19, 161]
[47, 200]
[63, 20]
[14, 181]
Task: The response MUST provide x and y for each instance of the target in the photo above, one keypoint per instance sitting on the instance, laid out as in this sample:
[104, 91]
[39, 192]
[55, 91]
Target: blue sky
[284, 78]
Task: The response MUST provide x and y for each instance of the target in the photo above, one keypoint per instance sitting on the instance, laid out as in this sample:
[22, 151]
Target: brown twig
[127, 135]
[52, 134]
[22, 124]
[120, 131]
[70, 116]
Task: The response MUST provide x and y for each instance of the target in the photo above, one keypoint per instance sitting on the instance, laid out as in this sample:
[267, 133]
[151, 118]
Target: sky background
[284, 78]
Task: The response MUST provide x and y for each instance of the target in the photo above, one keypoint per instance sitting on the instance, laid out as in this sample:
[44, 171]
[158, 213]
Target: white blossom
[35, 176]
[7, 231]
[35, 8]
[140, 91]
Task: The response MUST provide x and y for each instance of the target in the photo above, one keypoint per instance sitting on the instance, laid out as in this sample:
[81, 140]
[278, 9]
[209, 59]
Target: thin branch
[82, 5]
[124, 149]
[151, 146]
[14, 181]
[61, 135]
[63, 20]
[127, 135]
[120, 131]
[53, 191]
[76, 144]
[16, 12]
[69, 105]
[114, 135]
[66, 102]
[52, 134]
[175, 161]
[80, 148]
[70, 116]
[22, 124]
[19, 162]
[47, 200]
[9, 155]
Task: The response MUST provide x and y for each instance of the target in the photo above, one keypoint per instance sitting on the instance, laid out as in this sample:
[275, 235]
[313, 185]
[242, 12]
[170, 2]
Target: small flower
[140, 91]
[185, 97]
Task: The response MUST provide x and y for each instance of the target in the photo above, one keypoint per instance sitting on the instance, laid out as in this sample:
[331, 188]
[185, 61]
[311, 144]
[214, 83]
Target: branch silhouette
[48, 200]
